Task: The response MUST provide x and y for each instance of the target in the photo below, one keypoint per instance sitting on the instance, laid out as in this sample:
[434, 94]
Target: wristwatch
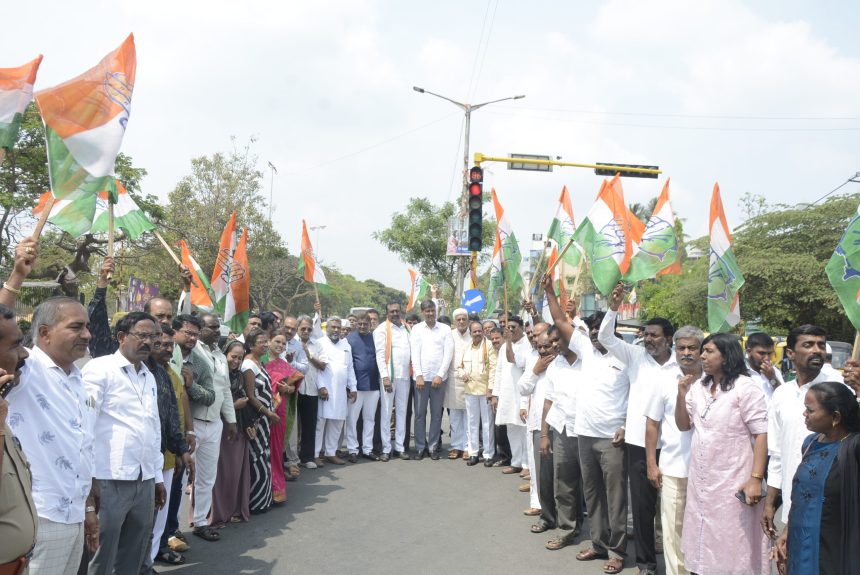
[90, 509]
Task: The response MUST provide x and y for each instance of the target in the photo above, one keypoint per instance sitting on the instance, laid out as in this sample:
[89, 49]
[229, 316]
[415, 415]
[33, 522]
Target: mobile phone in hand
[742, 497]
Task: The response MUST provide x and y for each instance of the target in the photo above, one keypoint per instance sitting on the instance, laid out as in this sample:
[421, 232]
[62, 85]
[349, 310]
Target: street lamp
[317, 240]
[467, 110]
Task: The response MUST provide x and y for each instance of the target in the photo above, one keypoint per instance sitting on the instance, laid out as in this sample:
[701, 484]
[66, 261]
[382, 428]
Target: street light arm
[455, 102]
[476, 106]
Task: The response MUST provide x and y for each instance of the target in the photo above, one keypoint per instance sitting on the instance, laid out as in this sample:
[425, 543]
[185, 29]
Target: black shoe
[436, 456]
[371, 456]
[472, 461]
[352, 458]
[488, 463]
[420, 455]
[384, 457]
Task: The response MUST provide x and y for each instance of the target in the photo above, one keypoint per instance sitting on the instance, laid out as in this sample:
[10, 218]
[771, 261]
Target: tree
[419, 236]
[643, 211]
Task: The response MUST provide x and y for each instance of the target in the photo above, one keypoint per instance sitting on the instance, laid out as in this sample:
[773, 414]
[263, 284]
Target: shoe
[511, 470]
[524, 488]
[335, 460]
[352, 458]
[488, 463]
[370, 456]
[404, 456]
[420, 455]
[502, 463]
[319, 462]
[436, 456]
[384, 458]
[310, 465]
[472, 461]
[178, 545]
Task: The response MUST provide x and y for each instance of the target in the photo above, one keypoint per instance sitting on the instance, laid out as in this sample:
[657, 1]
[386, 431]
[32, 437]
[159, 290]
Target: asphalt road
[401, 516]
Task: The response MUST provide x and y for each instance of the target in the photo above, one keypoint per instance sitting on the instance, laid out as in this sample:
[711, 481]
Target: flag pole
[855, 353]
[537, 273]
[110, 233]
[2, 154]
[43, 217]
[560, 256]
[578, 275]
[167, 247]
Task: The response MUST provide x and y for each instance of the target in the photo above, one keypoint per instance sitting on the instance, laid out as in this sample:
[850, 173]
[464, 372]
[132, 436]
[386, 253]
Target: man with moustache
[506, 401]
[296, 356]
[336, 386]
[759, 348]
[670, 476]
[477, 363]
[52, 416]
[455, 396]
[128, 458]
[786, 429]
[391, 340]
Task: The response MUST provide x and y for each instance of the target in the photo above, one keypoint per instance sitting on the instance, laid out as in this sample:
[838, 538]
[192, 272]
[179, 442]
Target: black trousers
[545, 480]
[409, 409]
[503, 446]
[306, 409]
[643, 501]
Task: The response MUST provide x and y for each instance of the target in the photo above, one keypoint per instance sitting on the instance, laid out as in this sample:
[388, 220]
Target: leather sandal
[590, 554]
[207, 533]
[613, 566]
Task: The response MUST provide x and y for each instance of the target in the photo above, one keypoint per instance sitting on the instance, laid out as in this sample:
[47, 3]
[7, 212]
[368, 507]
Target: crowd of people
[694, 446]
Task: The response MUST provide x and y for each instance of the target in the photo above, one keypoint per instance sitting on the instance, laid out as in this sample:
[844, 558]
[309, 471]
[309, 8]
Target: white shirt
[432, 350]
[532, 388]
[766, 386]
[455, 392]
[53, 417]
[337, 377]
[673, 443]
[127, 427]
[507, 376]
[562, 380]
[786, 430]
[400, 352]
[300, 358]
[310, 383]
[601, 406]
[645, 375]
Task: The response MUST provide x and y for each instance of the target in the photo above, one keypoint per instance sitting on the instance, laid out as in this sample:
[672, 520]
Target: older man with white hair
[455, 395]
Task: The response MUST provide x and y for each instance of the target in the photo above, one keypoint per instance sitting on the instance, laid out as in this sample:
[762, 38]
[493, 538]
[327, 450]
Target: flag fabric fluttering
[419, 289]
[505, 265]
[607, 235]
[724, 275]
[73, 216]
[200, 290]
[237, 308]
[85, 120]
[843, 270]
[16, 92]
[562, 228]
[657, 253]
[223, 261]
[127, 214]
[308, 267]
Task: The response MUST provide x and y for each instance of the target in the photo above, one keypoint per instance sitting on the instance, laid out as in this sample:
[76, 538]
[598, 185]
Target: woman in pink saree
[285, 380]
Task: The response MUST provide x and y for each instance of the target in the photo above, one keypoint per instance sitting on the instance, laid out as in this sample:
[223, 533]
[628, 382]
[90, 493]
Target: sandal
[170, 557]
[541, 527]
[613, 566]
[207, 533]
[590, 555]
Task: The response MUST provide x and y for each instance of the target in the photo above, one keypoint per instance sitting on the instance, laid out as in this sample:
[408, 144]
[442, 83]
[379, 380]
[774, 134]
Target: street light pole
[464, 196]
[317, 240]
[272, 189]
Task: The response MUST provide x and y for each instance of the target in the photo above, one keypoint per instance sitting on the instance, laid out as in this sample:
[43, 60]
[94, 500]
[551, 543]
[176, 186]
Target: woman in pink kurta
[728, 414]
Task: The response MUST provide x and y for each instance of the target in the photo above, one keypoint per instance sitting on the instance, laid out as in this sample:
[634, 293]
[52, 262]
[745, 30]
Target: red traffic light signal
[476, 209]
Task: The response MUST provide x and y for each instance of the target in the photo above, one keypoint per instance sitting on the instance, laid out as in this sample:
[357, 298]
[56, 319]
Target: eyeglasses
[145, 336]
[191, 334]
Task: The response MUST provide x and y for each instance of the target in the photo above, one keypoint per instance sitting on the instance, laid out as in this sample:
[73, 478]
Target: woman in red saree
[285, 379]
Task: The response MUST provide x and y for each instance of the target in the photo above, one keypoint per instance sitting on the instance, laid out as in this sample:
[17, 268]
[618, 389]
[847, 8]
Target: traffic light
[476, 209]
[626, 174]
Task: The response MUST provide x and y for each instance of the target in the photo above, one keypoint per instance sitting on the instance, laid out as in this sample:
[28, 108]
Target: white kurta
[338, 377]
[455, 394]
[507, 375]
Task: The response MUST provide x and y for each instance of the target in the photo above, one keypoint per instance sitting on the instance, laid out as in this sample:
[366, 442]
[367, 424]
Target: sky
[762, 97]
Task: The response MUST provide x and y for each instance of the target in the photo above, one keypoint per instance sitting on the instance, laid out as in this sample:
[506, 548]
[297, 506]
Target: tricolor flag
[505, 265]
[223, 262]
[563, 227]
[843, 270]
[126, 214]
[311, 272]
[419, 291]
[724, 274]
[607, 235]
[85, 120]
[657, 253]
[200, 288]
[16, 91]
[238, 304]
[73, 216]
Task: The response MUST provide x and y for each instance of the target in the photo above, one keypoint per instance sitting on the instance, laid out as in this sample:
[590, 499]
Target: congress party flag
[724, 274]
[200, 288]
[237, 308]
[73, 216]
[843, 270]
[311, 271]
[505, 265]
[607, 235]
[85, 120]
[562, 228]
[657, 253]
[223, 262]
[16, 92]
[419, 291]
[126, 213]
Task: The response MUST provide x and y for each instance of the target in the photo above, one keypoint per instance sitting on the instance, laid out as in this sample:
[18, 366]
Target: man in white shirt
[432, 347]
[308, 402]
[601, 409]
[128, 458]
[52, 415]
[455, 394]
[786, 427]
[646, 366]
[336, 386]
[391, 340]
[759, 348]
[670, 475]
[295, 356]
[505, 400]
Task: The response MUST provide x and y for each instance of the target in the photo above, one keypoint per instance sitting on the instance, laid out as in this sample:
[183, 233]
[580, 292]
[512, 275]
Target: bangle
[757, 475]
[90, 509]
[191, 433]
[9, 288]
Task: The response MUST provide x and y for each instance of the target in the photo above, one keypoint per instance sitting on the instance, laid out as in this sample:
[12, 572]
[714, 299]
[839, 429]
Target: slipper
[207, 533]
[531, 512]
[540, 527]
[511, 470]
[170, 557]
[613, 566]
[590, 555]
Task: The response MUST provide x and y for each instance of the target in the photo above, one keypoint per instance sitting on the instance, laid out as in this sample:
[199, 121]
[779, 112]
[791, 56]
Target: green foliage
[419, 236]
